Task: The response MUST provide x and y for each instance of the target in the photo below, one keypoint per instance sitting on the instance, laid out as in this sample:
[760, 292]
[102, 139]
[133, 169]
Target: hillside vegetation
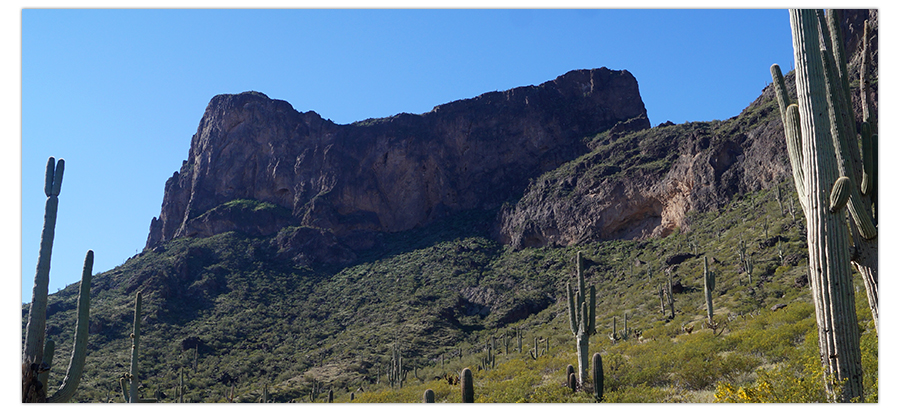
[229, 314]
[283, 317]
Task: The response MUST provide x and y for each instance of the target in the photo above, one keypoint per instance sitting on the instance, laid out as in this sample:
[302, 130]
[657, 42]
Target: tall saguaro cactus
[582, 307]
[709, 284]
[130, 381]
[820, 133]
[34, 366]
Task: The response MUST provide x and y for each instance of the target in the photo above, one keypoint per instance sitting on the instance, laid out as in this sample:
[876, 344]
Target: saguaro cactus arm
[34, 367]
[79, 350]
[37, 313]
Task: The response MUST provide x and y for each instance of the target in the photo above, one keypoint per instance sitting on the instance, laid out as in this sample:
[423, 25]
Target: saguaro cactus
[709, 284]
[130, 382]
[581, 317]
[819, 135]
[428, 397]
[396, 375]
[34, 366]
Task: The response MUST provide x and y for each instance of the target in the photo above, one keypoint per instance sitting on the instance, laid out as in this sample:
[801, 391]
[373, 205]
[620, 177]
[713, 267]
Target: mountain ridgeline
[350, 182]
[297, 253]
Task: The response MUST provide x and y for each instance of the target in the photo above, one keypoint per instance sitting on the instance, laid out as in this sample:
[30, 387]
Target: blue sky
[119, 93]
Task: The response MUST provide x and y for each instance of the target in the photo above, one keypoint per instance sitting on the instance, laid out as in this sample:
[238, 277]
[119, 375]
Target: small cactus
[467, 385]
[572, 382]
[428, 397]
[597, 371]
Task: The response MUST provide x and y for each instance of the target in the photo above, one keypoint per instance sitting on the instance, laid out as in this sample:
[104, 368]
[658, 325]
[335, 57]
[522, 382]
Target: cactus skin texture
[582, 307]
[467, 385]
[35, 364]
[597, 371]
[819, 133]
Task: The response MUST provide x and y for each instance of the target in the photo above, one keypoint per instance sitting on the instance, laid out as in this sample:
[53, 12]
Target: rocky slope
[383, 175]
[645, 184]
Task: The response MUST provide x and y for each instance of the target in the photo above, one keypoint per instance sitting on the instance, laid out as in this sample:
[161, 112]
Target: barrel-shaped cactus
[428, 397]
[467, 386]
[597, 375]
[572, 382]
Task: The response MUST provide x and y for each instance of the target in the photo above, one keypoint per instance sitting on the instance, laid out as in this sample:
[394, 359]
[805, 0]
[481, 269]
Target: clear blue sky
[118, 94]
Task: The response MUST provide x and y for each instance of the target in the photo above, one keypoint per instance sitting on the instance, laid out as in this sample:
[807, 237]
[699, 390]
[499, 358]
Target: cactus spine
[581, 317]
[467, 385]
[819, 135]
[597, 372]
[34, 366]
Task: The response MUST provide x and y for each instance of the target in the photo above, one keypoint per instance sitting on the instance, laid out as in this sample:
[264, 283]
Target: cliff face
[645, 184]
[387, 174]
[568, 161]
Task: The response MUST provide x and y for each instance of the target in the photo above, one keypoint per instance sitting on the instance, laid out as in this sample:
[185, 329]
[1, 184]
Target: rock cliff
[383, 175]
[571, 160]
[640, 185]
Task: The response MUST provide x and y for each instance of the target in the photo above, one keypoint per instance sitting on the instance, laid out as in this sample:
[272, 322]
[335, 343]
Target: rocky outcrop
[384, 175]
[568, 161]
[641, 185]
[644, 184]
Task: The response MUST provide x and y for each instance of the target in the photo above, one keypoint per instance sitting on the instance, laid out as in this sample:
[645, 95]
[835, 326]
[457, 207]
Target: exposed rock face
[535, 152]
[645, 184]
[387, 174]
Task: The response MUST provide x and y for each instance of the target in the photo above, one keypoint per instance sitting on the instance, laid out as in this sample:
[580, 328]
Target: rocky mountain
[297, 253]
[349, 182]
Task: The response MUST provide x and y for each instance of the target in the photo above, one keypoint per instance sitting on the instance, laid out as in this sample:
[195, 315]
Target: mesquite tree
[822, 147]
